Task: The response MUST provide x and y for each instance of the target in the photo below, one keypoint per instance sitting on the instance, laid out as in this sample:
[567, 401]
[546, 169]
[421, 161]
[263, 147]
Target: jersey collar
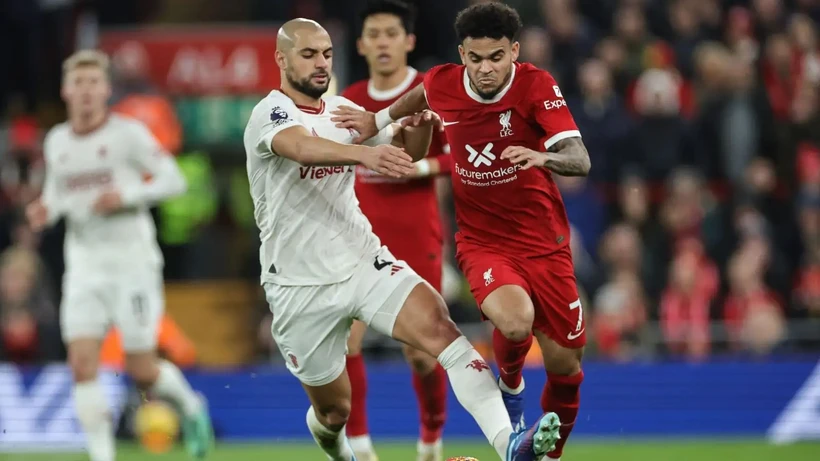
[472, 94]
[392, 93]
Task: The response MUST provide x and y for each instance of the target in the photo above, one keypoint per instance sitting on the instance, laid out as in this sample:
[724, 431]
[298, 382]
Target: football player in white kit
[322, 266]
[97, 168]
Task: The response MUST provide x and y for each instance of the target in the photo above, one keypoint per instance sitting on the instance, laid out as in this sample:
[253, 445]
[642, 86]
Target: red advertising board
[200, 61]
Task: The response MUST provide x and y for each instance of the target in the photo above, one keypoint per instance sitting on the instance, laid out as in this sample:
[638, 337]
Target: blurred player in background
[96, 164]
[393, 206]
[322, 264]
[509, 129]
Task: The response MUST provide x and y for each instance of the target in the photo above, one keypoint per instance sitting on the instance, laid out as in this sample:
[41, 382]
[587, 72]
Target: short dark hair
[493, 20]
[405, 11]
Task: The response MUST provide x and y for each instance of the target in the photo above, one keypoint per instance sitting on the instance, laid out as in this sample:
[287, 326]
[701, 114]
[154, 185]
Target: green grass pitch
[583, 450]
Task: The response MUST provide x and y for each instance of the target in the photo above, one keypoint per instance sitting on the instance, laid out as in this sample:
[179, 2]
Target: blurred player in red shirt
[509, 131]
[393, 206]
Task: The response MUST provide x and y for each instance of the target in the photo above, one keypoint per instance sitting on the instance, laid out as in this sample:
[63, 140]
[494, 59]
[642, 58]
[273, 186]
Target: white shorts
[131, 301]
[311, 324]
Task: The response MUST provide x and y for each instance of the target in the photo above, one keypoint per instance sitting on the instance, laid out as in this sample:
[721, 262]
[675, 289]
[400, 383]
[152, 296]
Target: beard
[490, 94]
[307, 88]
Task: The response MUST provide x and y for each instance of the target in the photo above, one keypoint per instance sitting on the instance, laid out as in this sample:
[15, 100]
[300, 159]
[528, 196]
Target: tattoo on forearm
[569, 157]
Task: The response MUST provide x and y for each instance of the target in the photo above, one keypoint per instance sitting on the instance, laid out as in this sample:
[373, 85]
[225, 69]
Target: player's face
[86, 89]
[308, 65]
[385, 43]
[489, 63]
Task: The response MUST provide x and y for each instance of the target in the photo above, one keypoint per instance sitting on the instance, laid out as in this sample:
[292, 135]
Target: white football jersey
[120, 155]
[311, 228]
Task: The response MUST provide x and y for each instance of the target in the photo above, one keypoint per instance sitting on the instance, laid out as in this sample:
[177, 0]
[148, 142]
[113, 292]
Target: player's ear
[281, 60]
[515, 50]
[359, 46]
[410, 43]
[463, 56]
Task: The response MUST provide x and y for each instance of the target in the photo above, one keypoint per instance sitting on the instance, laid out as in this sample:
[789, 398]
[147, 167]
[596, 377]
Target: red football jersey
[404, 212]
[497, 204]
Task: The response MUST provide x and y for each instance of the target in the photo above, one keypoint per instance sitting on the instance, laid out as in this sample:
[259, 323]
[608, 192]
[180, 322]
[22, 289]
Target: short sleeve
[550, 110]
[276, 113]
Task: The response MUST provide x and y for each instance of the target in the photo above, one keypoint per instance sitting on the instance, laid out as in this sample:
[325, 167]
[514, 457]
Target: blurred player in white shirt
[103, 172]
[322, 266]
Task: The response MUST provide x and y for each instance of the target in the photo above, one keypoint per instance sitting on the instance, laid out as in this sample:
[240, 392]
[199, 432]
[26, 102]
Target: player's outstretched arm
[416, 133]
[165, 179]
[297, 144]
[369, 124]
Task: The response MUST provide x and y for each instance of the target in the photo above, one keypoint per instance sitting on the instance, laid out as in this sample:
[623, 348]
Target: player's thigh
[395, 301]
[310, 327]
[356, 338]
[84, 321]
[138, 302]
[500, 289]
[559, 314]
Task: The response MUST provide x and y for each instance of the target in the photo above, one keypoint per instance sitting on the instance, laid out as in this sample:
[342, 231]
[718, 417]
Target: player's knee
[83, 365]
[142, 369]
[420, 362]
[515, 324]
[334, 416]
[566, 362]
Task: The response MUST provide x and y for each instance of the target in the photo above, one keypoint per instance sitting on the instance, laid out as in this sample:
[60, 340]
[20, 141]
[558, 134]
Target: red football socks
[357, 422]
[431, 391]
[510, 357]
[562, 396]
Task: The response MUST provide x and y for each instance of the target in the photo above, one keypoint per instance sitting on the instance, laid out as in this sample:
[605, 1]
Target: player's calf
[164, 379]
[430, 384]
[561, 393]
[328, 414]
[89, 399]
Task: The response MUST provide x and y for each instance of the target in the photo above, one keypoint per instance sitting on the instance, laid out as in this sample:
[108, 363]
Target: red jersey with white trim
[497, 204]
[404, 212]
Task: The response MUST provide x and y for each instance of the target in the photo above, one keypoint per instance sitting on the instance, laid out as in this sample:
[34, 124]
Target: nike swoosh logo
[448, 123]
[571, 336]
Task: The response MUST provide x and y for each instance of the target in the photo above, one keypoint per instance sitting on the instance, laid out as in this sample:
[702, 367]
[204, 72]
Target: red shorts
[548, 280]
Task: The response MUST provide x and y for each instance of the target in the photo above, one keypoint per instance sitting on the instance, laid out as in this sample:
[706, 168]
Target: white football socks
[361, 444]
[476, 389]
[95, 418]
[171, 384]
[333, 443]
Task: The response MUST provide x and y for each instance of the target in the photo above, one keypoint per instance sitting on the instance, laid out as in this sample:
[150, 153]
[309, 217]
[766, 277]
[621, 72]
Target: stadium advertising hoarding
[778, 400]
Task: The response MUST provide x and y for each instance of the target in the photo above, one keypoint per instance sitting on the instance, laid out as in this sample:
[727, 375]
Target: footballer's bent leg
[423, 323]
[327, 416]
[511, 311]
[561, 393]
[164, 379]
[430, 384]
[357, 429]
[89, 398]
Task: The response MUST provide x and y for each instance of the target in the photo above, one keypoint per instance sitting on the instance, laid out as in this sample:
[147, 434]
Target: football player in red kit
[393, 206]
[509, 130]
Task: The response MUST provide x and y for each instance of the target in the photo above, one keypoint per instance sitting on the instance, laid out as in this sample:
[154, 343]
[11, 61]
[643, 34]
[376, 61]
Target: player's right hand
[354, 119]
[388, 160]
[37, 215]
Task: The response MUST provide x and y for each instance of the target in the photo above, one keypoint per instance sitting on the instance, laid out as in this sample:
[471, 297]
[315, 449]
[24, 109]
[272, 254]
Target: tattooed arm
[568, 157]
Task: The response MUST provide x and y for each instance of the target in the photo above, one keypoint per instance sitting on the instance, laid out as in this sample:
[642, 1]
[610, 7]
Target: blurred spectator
[686, 303]
[536, 47]
[29, 322]
[136, 96]
[750, 301]
[686, 34]
[585, 209]
[572, 40]
[600, 115]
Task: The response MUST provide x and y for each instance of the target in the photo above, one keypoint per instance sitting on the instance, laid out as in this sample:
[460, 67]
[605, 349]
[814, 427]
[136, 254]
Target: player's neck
[86, 123]
[387, 82]
[299, 98]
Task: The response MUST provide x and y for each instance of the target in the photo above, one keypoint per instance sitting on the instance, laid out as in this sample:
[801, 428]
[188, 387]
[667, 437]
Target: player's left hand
[108, 202]
[526, 158]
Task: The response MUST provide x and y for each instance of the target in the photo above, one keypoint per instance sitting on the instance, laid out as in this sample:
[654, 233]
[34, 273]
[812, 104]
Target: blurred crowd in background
[697, 232]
